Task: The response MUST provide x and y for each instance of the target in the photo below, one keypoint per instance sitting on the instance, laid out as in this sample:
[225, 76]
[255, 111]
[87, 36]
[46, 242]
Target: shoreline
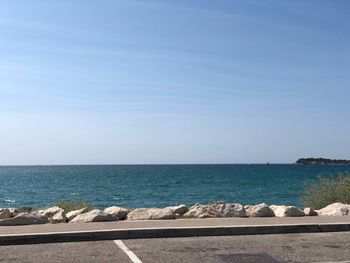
[58, 215]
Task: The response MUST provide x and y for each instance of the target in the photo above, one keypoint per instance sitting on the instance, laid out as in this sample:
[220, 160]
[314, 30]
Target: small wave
[10, 200]
[74, 194]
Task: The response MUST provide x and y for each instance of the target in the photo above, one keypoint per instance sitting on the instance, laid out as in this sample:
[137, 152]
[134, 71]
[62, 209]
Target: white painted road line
[127, 251]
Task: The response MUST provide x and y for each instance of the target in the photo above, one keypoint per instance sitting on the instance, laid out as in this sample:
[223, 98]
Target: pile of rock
[261, 210]
[170, 212]
[55, 214]
[219, 209]
[21, 216]
[335, 209]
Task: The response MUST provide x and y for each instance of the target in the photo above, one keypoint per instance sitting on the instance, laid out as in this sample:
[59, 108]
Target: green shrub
[327, 191]
[74, 205]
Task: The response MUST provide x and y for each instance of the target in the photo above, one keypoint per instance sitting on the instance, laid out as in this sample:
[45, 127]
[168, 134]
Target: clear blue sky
[159, 81]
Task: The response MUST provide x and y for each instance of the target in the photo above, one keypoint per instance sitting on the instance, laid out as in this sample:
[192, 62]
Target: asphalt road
[316, 247]
[208, 222]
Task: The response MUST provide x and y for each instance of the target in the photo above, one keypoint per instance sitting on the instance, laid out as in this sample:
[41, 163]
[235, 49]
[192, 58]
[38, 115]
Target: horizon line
[140, 164]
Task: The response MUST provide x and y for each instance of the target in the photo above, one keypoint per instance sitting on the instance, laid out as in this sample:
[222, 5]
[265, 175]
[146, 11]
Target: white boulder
[335, 209]
[5, 213]
[72, 214]
[150, 214]
[117, 211]
[216, 210]
[198, 211]
[286, 211]
[25, 219]
[51, 211]
[260, 210]
[178, 209]
[55, 214]
[59, 217]
[228, 210]
[95, 215]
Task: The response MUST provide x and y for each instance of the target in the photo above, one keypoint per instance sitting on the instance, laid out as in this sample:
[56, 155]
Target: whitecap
[10, 200]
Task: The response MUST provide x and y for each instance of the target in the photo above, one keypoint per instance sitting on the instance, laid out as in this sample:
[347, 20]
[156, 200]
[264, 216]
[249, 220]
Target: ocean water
[158, 185]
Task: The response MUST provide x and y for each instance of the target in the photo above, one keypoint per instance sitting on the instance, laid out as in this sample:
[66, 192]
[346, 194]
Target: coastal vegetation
[68, 205]
[323, 161]
[327, 190]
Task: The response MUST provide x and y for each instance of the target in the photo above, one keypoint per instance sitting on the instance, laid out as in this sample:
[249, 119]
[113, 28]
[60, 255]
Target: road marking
[127, 251]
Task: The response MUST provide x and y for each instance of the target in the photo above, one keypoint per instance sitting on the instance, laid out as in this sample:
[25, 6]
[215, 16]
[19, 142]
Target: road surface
[312, 247]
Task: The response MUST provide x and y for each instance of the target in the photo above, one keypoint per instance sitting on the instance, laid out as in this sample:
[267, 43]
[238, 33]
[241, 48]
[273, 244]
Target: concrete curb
[138, 233]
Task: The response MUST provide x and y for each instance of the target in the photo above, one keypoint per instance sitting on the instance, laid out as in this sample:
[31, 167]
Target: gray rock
[25, 219]
[59, 217]
[261, 210]
[335, 209]
[25, 209]
[13, 212]
[55, 214]
[216, 210]
[51, 211]
[117, 211]
[198, 211]
[178, 209]
[16, 211]
[72, 214]
[93, 216]
[5, 213]
[247, 207]
[286, 211]
[310, 212]
[150, 214]
[228, 210]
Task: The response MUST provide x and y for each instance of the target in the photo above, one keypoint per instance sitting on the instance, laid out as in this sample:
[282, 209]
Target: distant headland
[323, 161]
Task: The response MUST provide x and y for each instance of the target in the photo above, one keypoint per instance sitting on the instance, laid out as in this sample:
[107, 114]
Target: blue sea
[158, 185]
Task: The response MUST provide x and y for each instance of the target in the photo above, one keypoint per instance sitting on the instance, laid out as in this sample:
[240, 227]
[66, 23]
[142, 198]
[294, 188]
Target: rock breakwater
[55, 214]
